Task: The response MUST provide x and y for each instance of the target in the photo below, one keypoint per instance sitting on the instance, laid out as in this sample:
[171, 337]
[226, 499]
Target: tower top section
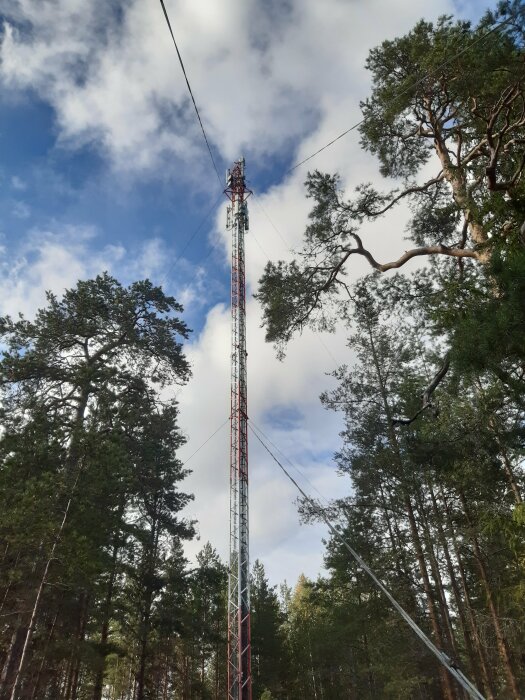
[236, 183]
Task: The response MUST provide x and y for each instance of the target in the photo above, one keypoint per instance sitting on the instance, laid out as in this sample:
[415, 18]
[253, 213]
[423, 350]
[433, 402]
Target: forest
[97, 598]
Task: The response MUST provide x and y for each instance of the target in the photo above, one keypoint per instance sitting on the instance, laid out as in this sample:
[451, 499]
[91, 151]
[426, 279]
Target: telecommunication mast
[239, 644]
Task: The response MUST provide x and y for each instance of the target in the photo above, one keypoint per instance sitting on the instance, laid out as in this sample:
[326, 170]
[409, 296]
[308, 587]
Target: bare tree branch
[440, 249]
[410, 190]
[426, 396]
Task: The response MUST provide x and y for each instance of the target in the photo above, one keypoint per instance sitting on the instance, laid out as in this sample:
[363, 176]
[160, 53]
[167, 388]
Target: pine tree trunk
[68, 675]
[478, 670]
[151, 556]
[185, 678]
[507, 466]
[438, 580]
[143, 649]
[104, 632]
[314, 684]
[501, 641]
[61, 681]
[131, 680]
[36, 685]
[81, 633]
[166, 672]
[445, 680]
[8, 587]
[12, 661]
[406, 572]
[509, 472]
[397, 550]
[483, 661]
[36, 606]
[369, 674]
[446, 683]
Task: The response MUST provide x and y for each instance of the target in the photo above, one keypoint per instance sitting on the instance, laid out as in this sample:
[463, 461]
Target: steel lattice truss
[239, 646]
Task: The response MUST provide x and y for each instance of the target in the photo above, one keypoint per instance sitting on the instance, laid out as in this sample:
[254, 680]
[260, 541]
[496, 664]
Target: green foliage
[435, 458]
[487, 330]
[445, 91]
[268, 643]
[435, 503]
[266, 695]
[284, 296]
[85, 442]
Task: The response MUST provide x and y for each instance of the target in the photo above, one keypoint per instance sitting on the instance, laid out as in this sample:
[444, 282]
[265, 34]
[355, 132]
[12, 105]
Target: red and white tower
[239, 645]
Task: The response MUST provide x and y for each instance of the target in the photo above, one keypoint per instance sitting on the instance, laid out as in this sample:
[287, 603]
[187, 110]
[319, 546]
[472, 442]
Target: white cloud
[263, 74]
[56, 257]
[48, 260]
[283, 386]
[20, 210]
[18, 184]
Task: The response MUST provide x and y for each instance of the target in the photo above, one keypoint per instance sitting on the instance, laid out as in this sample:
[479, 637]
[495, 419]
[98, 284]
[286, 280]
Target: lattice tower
[239, 644]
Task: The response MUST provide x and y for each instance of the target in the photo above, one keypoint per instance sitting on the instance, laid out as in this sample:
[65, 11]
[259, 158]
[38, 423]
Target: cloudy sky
[103, 167]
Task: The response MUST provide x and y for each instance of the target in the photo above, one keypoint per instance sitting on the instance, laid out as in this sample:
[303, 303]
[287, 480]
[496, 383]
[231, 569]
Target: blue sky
[48, 186]
[103, 167]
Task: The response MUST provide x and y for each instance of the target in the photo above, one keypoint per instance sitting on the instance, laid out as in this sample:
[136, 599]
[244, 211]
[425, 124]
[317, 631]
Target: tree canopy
[448, 96]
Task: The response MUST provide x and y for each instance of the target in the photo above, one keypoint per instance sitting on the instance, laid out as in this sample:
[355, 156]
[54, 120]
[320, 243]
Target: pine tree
[70, 379]
[268, 651]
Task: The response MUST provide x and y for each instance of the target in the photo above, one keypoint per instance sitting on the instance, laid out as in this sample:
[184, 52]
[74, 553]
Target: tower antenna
[239, 642]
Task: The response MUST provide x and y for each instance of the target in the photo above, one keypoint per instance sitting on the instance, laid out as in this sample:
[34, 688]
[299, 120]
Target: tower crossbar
[239, 642]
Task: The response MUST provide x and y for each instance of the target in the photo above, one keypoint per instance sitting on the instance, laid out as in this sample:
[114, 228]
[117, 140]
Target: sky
[103, 167]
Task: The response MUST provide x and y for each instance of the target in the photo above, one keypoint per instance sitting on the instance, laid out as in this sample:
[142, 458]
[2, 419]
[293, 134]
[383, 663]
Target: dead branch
[426, 396]
[409, 190]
